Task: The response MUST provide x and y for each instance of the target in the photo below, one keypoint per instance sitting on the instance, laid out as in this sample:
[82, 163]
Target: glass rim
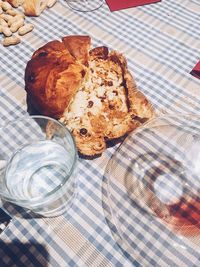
[71, 4]
[149, 123]
[36, 200]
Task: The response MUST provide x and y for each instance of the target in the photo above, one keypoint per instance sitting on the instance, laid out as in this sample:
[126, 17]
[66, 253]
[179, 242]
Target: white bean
[5, 6]
[25, 29]
[16, 25]
[6, 31]
[6, 17]
[3, 22]
[15, 18]
[11, 12]
[11, 41]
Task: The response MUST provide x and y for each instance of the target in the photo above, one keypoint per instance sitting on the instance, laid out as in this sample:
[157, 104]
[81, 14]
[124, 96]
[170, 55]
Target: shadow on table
[20, 254]
[17, 211]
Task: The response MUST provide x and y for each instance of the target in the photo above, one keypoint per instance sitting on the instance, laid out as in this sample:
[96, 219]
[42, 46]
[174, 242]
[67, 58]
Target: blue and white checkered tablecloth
[162, 44]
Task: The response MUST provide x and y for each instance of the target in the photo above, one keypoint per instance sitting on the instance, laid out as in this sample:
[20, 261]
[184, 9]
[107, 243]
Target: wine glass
[153, 179]
[85, 5]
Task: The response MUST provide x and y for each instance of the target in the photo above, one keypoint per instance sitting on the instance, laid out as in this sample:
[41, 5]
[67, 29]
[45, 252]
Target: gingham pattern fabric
[161, 44]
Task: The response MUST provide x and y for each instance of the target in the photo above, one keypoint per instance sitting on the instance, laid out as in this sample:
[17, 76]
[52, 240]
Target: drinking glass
[85, 5]
[38, 157]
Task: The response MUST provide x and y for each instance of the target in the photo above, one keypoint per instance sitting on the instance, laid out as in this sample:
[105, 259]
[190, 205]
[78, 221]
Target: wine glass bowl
[85, 5]
[154, 177]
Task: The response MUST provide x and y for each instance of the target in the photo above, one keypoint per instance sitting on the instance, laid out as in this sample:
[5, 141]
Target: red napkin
[196, 71]
[122, 4]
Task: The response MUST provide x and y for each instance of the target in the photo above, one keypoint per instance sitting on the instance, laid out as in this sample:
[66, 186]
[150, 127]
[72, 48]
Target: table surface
[161, 43]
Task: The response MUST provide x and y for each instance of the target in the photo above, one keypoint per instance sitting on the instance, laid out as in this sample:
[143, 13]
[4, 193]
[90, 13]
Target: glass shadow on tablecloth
[16, 253]
[17, 211]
